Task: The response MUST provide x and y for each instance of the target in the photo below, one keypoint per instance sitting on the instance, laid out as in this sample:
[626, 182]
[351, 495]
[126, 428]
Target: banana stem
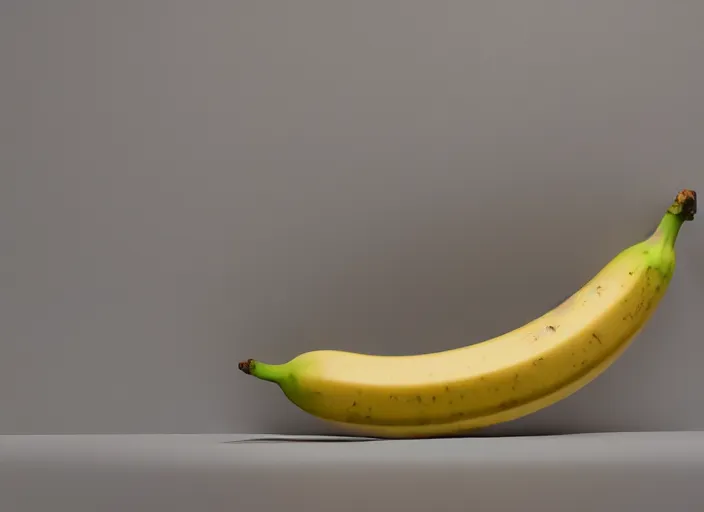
[685, 204]
[263, 371]
[682, 209]
[668, 229]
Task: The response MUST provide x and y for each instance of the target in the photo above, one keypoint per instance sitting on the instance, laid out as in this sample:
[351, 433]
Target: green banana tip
[246, 366]
[685, 204]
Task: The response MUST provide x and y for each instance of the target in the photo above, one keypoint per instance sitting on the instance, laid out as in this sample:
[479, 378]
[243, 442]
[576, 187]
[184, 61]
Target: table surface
[610, 471]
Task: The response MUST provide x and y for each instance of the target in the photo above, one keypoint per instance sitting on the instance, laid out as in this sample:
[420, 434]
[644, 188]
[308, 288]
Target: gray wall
[187, 184]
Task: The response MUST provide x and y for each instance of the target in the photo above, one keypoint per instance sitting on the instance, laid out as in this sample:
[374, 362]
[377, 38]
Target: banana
[497, 380]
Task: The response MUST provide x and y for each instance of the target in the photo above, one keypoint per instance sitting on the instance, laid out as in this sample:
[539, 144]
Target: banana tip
[246, 366]
[687, 202]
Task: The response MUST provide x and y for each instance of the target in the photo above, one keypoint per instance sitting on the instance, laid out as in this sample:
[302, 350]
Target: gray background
[187, 184]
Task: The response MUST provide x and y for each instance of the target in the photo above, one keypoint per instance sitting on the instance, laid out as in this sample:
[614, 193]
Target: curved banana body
[497, 380]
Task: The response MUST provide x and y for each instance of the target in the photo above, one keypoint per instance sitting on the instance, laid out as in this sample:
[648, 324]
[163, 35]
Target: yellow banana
[497, 380]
